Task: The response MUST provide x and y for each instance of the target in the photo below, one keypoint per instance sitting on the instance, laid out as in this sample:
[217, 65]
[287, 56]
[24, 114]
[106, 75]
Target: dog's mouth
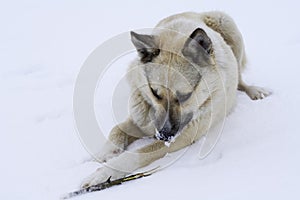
[167, 139]
[163, 137]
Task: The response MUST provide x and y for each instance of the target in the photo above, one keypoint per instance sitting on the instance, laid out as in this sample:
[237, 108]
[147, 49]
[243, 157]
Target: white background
[42, 47]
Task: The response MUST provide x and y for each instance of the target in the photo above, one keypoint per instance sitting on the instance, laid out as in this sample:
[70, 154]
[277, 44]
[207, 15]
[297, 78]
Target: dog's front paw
[101, 175]
[256, 93]
[104, 156]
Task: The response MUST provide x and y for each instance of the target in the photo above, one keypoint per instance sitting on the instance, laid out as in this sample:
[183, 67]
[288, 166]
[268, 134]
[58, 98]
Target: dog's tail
[224, 24]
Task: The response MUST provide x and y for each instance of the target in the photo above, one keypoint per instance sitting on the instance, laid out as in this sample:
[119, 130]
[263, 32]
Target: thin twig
[109, 183]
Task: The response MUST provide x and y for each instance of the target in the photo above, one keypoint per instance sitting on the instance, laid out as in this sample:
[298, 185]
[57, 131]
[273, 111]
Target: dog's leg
[254, 92]
[123, 165]
[118, 141]
[128, 162]
[225, 25]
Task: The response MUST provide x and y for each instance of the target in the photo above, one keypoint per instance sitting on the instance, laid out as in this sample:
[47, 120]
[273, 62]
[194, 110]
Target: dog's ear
[198, 48]
[145, 46]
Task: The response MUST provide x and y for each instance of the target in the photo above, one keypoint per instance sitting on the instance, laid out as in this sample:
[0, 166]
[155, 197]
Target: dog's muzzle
[169, 132]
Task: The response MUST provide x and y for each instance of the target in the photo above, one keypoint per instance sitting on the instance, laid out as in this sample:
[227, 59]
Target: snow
[43, 45]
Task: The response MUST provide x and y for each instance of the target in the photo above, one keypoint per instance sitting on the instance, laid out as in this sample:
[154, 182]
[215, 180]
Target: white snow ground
[42, 47]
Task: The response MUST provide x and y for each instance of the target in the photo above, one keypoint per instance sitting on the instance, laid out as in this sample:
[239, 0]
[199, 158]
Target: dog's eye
[183, 97]
[154, 92]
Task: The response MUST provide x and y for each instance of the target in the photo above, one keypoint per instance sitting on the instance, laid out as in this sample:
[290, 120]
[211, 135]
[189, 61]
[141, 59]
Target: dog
[183, 81]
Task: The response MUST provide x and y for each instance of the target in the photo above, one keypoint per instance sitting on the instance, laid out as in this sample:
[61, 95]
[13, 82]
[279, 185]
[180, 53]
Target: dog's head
[173, 66]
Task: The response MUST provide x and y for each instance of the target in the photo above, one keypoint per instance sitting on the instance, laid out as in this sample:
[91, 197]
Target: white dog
[185, 77]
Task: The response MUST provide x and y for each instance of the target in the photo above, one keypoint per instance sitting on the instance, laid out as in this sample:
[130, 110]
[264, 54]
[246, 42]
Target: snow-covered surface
[43, 45]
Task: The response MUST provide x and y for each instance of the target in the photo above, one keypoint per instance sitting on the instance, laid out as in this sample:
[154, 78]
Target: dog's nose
[166, 133]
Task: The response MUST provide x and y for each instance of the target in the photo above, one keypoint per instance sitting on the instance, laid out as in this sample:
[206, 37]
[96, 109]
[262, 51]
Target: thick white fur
[213, 98]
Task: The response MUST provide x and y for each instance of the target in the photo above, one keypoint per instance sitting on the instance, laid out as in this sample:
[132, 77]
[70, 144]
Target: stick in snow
[108, 184]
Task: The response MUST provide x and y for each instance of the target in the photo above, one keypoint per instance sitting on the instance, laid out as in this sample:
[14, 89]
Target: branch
[109, 183]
